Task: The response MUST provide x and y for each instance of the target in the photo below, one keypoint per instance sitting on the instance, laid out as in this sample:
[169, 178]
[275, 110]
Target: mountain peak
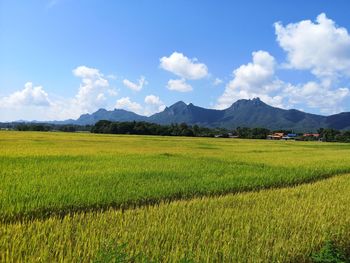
[101, 110]
[243, 113]
[243, 102]
[178, 105]
[257, 101]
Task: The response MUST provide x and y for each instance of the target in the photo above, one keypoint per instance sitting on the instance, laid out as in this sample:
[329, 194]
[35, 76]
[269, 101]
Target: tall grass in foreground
[44, 174]
[282, 225]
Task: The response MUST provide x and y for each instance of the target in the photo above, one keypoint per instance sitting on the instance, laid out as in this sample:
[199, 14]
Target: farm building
[276, 136]
[289, 136]
[315, 135]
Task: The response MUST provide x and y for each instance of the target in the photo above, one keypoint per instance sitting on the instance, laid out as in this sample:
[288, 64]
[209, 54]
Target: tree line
[147, 128]
[332, 135]
[20, 126]
[182, 129]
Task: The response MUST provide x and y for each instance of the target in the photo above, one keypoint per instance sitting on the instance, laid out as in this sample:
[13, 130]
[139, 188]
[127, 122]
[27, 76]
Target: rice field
[75, 197]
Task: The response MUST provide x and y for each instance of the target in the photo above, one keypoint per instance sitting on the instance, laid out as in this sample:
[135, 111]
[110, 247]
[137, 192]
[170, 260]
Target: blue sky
[62, 58]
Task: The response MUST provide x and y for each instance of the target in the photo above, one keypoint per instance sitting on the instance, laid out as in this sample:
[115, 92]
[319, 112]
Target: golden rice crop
[75, 197]
[54, 173]
[282, 225]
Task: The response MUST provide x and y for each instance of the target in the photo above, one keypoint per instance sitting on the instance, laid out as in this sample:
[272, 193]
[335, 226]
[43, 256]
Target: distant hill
[115, 115]
[340, 121]
[190, 114]
[242, 113]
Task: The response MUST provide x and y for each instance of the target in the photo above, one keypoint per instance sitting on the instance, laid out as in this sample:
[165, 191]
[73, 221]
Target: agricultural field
[70, 197]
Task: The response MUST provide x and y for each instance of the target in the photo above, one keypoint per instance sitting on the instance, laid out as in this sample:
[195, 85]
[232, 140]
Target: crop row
[55, 174]
[280, 225]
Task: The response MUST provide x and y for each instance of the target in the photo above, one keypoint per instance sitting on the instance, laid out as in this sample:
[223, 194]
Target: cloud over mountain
[321, 48]
[135, 86]
[179, 85]
[184, 67]
[30, 96]
[255, 79]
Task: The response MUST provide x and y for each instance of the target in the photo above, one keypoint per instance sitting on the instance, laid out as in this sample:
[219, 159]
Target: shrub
[330, 253]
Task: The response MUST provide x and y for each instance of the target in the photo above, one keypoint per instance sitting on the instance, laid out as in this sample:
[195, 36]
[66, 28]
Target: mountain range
[242, 113]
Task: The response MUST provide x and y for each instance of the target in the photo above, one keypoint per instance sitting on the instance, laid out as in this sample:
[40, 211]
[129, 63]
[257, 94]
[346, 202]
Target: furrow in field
[276, 225]
[41, 214]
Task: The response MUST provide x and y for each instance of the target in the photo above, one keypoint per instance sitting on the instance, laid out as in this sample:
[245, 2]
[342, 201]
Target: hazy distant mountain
[115, 115]
[340, 121]
[190, 114]
[243, 113]
[255, 113]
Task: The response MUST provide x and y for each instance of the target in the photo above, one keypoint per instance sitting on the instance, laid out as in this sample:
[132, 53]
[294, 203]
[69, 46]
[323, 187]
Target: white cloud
[92, 94]
[153, 105]
[182, 66]
[321, 47]
[179, 85]
[217, 82]
[152, 99]
[85, 72]
[111, 76]
[29, 96]
[135, 86]
[258, 79]
[112, 92]
[126, 104]
[255, 79]
[255, 74]
[93, 90]
[317, 95]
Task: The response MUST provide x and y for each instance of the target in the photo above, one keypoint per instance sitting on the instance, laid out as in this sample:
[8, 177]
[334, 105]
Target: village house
[276, 136]
[315, 135]
[289, 136]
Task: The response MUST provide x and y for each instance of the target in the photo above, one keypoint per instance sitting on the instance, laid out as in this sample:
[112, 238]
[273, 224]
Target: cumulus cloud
[255, 79]
[317, 95]
[258, 79]
[29, 96]
[321, 46]
[179, 85]
[32, 102]
[93, 91]
[112, 92]
[126, 104]
[182, 66]
[152, 99]
[135, 86]
[153, 105]
[92, 94]
[217, 82]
